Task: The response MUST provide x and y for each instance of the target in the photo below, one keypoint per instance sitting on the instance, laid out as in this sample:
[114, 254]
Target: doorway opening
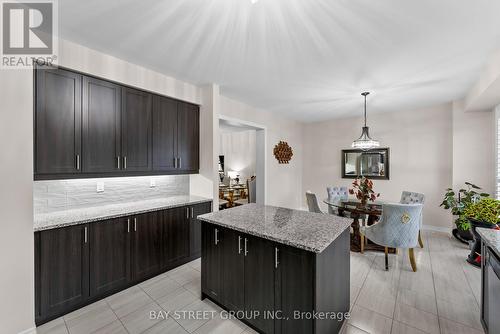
[241, 163]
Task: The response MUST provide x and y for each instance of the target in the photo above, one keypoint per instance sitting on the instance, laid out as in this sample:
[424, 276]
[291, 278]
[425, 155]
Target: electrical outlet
[100, 187]
[152, 182]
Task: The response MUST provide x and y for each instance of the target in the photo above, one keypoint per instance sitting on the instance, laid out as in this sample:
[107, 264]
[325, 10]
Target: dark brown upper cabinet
[58, 115]
[136, 130]
[188, 138]
[164, 134]
[90, 127]
[101, 126]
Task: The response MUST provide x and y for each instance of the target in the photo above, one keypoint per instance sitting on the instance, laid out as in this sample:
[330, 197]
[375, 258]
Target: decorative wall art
[283, 152]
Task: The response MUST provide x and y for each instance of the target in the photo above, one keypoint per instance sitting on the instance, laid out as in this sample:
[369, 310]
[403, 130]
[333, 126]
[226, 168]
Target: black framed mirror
[373, 164]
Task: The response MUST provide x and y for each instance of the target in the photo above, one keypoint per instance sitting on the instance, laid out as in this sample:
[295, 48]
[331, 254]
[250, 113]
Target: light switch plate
[152, 182]
[100, 187]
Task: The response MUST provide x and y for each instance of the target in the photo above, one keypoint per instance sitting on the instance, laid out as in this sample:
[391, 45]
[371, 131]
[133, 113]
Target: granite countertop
[301, 229]
[45, 221]
[491, 238]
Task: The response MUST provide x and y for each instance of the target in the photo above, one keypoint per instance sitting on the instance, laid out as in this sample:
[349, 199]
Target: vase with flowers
[362, 188]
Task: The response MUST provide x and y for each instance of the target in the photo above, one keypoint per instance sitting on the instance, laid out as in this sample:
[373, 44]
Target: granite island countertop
[46, 221]
[491, 238]
[301, 229]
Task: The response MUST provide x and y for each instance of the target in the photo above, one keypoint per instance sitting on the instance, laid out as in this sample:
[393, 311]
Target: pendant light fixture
[365, 142]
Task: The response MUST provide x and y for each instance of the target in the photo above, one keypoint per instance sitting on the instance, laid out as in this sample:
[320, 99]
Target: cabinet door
[58, 117]
[188, 140]
[147, 245]
[233, 271]
[101, 126]
[136, 130]
[164, 134]
[211, 260]
[195, 228]
[294, 290]
[64, 269]
[259, 281]
[109, 255]
[176, 222]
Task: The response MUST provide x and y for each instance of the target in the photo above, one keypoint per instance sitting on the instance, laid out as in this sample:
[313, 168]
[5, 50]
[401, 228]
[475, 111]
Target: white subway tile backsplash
[49, 196]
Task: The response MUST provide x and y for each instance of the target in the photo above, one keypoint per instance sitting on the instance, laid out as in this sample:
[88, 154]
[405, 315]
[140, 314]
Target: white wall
[420, 145]
[473, 148]
[239, 151]
[16, 201]
[283, 182]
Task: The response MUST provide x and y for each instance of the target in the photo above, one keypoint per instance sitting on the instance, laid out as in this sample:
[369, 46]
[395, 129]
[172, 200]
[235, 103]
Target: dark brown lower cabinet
[109, 256]
[80, 264]
[146, 250]
[195, 228]
[278, 286]
[62, 270]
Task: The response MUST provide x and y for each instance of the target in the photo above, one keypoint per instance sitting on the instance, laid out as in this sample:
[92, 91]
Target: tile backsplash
[50, 196]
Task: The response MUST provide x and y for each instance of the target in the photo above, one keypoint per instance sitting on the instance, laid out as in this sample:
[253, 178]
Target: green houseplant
[485, 214]
[457, 201]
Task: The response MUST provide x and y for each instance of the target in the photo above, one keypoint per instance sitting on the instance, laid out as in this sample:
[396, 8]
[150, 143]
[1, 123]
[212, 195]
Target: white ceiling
[307, 59]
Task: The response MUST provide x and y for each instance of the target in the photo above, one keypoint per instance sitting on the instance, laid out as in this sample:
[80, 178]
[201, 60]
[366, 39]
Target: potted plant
[484, 214]
[457, 202]
[362, 188]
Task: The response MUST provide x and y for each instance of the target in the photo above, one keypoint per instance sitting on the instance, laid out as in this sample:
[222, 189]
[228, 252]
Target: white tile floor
[441, 297]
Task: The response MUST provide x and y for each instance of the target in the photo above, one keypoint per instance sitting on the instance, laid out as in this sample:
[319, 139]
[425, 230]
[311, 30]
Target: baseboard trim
[436, 228]
[31, 330]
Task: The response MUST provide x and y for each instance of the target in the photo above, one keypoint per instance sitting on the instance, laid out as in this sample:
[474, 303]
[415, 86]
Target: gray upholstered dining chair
[398, 228]
[336, 194]
[408, 197]
[312, 202]
[251, 188]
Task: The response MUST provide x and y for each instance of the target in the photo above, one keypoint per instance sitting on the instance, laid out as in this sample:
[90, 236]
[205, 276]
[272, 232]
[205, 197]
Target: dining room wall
[283, 183]
[421, 147]
[239, 151]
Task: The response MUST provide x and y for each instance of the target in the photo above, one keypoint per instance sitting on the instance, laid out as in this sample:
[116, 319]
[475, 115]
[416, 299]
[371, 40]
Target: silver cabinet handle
[78, 162]
[128, 225]
[216, 236]
[85, 235]
[135, 224]
[175, 162]
[239, 245]
[125, 162]
[180, 162]
[276, 261]
[187, 213]
[246, 249]
[118, 162]
[192, 212]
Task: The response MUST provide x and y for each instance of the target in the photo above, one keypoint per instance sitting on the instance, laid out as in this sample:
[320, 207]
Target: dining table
[232, 192]
[367, 214]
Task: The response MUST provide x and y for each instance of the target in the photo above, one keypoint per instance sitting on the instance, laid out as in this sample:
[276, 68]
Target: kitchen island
[278, 270]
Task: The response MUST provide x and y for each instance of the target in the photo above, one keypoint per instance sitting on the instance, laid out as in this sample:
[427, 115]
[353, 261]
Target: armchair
[312, 202]
[336, 194]
[408, 197]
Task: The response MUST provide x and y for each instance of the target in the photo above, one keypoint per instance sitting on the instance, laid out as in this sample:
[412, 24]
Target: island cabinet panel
[259, 282]
[278, 286]
[109, 256]
[63, 269]
[146, 257]
[58, 115]
[233, 270]
[211, 263]
[195, 228]
[136, 130]
[101, 126]
[294, 290]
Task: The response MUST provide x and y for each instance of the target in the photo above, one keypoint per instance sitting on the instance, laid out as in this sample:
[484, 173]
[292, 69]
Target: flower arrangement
[362, 188]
